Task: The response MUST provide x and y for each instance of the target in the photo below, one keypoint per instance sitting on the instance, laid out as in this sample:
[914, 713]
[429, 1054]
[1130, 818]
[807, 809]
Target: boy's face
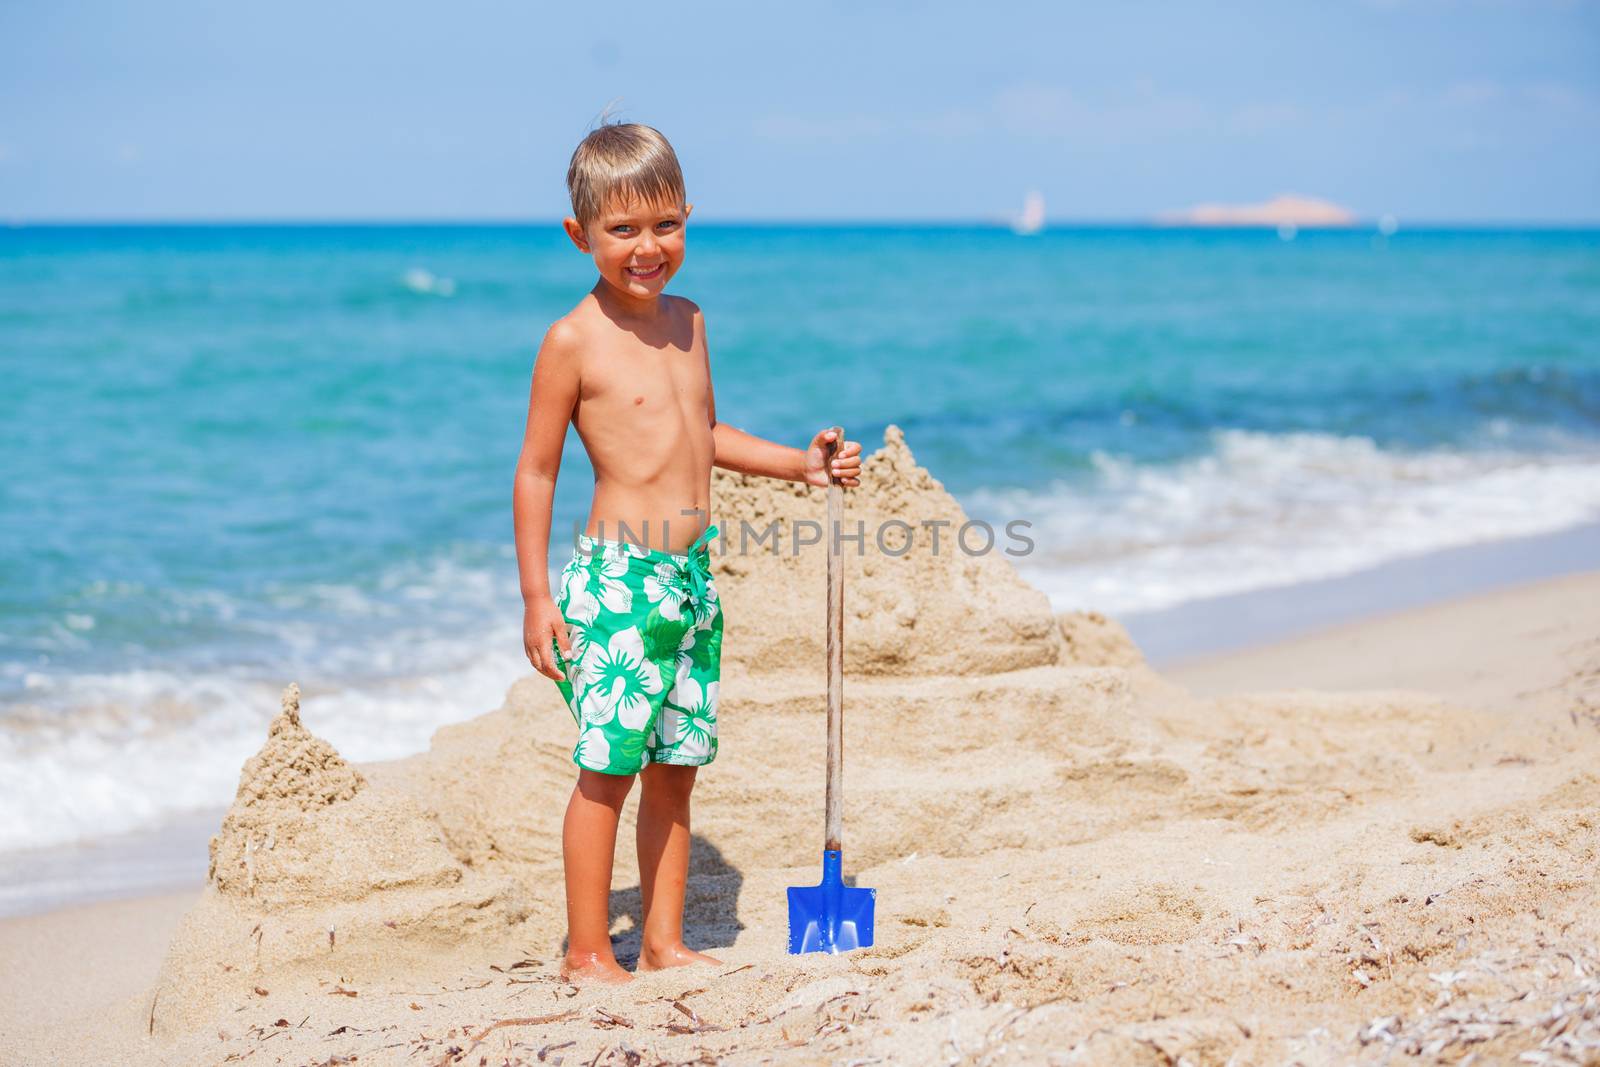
[636, 246]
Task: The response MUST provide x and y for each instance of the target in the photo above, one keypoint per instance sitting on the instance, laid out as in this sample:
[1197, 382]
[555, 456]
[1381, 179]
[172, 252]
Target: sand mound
[281, 789]
[1074, 858]
[318, 869]
[1095, 640]
[408, 860]
[305, 827]
[926, 590]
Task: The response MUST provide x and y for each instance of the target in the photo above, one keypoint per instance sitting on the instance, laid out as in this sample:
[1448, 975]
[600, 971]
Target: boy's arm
[746, 453]
[551, 398]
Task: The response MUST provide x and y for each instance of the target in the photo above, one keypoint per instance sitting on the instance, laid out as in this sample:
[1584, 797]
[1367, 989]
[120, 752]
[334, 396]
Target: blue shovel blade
[831, 916]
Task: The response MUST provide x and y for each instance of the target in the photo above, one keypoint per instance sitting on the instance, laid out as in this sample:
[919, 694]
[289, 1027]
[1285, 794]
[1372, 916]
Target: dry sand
[1077, 860]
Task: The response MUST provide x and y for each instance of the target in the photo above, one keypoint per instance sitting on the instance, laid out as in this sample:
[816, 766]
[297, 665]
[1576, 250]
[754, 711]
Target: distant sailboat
[1032, 218]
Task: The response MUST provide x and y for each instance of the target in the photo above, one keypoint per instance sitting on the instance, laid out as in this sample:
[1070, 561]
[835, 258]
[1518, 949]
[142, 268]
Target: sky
[1430, 110]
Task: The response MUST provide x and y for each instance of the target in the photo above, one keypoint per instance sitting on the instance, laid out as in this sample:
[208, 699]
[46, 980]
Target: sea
[236, 456]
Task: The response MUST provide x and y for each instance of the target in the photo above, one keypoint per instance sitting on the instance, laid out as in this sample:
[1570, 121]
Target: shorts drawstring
[698, 572]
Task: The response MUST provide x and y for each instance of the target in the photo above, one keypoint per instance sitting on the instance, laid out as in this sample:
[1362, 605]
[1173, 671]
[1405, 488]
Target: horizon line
[1359, 223]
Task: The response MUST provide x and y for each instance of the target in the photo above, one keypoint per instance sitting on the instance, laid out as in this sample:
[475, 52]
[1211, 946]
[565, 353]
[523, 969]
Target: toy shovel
[831, 916]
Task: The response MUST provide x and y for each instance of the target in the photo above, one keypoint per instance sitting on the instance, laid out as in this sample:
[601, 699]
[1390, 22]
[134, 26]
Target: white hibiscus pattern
[683, 662]
[620, 681]
[580, 635]
[664, 588]
[625, 550]
[706, 610]
[615, 691]
[694, 727]
[597, 583]
[594, 751]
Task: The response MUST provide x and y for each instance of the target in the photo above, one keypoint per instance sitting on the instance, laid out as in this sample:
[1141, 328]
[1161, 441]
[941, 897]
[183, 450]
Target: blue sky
[1427, 109]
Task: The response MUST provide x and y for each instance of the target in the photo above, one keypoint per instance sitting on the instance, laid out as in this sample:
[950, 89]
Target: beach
[1374, 838]
[1221, 590]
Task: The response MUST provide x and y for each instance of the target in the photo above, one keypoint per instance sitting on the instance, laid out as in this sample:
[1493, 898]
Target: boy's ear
[575, 231]
[687, 208]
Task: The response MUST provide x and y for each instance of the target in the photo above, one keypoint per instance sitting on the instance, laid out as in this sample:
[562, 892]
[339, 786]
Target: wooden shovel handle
[835, 795]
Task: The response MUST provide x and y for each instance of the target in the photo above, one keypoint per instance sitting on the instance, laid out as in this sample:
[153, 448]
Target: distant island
[1283, 210]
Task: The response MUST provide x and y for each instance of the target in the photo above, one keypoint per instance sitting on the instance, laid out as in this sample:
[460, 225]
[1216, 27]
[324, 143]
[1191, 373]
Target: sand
[1077, 859]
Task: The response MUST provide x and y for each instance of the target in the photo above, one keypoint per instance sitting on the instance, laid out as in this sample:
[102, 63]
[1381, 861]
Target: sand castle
[1077, 861]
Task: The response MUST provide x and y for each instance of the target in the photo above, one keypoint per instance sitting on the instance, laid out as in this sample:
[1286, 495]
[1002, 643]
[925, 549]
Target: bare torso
[644, 414]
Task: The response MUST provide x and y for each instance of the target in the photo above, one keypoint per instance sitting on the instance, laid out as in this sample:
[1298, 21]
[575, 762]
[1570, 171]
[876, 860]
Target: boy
[634, 640]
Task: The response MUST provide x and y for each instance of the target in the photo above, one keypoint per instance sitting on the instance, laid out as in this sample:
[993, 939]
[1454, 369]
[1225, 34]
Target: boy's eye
[666, 224]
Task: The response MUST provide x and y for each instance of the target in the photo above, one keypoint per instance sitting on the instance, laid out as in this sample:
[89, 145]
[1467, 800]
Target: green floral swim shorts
[646, 634]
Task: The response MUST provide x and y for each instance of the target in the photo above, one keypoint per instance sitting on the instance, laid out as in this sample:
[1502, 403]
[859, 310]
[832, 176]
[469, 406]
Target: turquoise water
[237, 456]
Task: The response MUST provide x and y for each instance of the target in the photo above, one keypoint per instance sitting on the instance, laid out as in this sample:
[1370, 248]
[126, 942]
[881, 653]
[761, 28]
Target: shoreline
[84, 971]
[1452, 660]
[147, 863]
[1197, 630]
[1193, 640]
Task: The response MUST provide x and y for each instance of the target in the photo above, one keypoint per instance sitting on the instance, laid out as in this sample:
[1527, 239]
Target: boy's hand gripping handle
[835, 793]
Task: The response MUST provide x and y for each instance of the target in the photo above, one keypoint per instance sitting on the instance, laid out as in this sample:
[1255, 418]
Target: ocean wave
[102, 754]
[1262, 510]
[88, 753]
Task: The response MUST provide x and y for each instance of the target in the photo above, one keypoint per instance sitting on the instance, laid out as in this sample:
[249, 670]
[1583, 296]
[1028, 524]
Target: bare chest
[642, 382]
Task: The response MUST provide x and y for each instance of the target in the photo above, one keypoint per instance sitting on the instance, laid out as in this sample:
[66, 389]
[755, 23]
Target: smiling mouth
[645, 272]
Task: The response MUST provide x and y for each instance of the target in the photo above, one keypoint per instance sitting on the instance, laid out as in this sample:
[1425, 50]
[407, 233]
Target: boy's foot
[585, 970]
[673, 956]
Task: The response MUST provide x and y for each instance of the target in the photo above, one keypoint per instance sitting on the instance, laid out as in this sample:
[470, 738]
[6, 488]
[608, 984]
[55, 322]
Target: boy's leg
[588, 845]
[663, 839]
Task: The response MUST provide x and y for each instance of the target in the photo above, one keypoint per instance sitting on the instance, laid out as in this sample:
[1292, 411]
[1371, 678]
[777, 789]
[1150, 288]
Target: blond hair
[622, 161]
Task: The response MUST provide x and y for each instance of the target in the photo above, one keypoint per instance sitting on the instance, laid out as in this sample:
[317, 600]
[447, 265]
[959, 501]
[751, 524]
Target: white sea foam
[1263, 510]
[126, 751]
[426, 282]
[89, 755]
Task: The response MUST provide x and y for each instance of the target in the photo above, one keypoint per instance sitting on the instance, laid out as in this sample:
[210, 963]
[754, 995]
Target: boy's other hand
[541, 624]
[846, 466]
